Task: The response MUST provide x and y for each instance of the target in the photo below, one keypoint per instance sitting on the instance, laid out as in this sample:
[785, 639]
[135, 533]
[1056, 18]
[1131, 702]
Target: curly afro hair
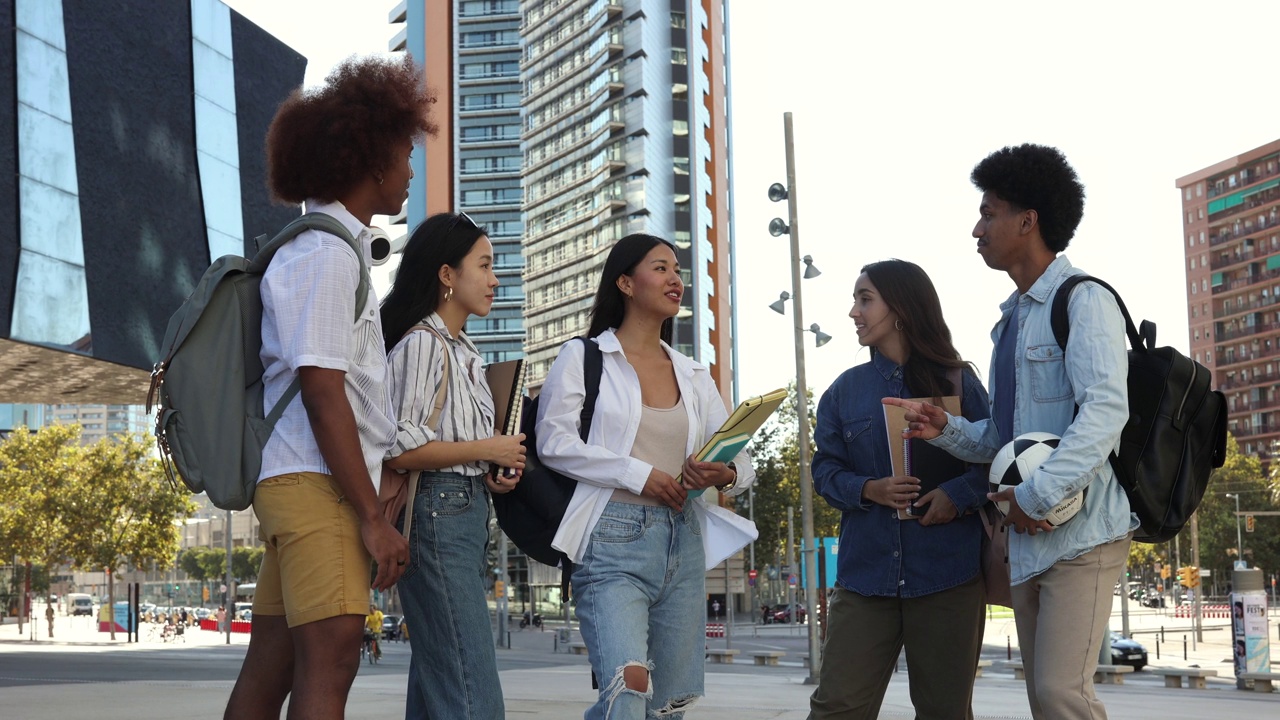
[1036, 177]
[325, 141]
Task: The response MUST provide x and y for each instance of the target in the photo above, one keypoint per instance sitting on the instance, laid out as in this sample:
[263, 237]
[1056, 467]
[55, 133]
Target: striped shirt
[417, 375]
[308, 310]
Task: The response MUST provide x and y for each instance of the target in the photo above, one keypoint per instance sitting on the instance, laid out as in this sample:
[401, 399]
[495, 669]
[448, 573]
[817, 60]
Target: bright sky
[895, 102]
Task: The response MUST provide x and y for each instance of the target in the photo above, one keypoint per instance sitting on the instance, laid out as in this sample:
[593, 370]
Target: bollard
[1162, 632]
[1184, 647]
[508, 639]
[555, 645]
[1008, 647]
[1157, 648]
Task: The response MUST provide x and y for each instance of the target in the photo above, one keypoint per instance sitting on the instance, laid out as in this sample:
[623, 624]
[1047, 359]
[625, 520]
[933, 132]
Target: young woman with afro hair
[341, 149]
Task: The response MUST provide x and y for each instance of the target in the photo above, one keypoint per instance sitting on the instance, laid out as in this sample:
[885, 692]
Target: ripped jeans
[640, 592]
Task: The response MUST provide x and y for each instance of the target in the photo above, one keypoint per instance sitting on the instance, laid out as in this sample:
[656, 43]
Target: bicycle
[369, 648]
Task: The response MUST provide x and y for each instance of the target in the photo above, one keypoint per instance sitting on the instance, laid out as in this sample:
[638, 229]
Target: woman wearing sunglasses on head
[445, 277]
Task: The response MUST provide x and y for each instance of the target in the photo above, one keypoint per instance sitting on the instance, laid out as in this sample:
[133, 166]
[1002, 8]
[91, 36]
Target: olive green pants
[942, 634]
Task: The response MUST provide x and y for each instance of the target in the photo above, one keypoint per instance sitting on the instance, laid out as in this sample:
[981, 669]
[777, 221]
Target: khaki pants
[942, 634]
[1061, 614]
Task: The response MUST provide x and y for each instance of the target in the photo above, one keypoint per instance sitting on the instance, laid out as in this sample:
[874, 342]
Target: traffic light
[1189, 576]
[1164, 572]
[1248, 523]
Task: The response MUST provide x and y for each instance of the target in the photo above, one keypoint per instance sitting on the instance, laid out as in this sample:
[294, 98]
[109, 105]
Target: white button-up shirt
[605, 463]
[308, 309]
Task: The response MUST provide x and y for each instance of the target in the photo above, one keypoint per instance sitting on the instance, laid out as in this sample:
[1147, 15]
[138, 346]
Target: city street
[82, 672]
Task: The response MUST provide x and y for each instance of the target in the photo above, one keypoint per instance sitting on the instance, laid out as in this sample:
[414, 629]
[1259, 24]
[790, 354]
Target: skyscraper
[472, 57]
[1231, 225]
[603, 118]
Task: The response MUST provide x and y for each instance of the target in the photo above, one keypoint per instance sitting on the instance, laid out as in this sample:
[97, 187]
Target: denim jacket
[879, 554]
[1093, 374]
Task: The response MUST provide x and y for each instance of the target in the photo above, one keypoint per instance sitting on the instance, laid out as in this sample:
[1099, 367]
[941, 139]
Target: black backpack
[530, 514]
[1177, 429]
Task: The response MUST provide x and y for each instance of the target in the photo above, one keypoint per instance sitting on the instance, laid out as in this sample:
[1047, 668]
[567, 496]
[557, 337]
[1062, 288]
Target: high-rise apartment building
[471, 51]
[599, 118]
[102, 421]
[1231, 221]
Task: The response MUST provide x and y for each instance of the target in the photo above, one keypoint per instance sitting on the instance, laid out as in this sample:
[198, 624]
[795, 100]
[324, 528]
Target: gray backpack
[208, 388]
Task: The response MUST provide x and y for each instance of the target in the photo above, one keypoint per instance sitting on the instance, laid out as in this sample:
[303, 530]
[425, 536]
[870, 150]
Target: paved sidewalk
[561, 689]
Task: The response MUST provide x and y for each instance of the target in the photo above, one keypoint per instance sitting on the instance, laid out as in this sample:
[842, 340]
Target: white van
[79, 604]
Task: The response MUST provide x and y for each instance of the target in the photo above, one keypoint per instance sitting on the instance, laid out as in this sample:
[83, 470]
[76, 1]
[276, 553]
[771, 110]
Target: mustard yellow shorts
[315, 565]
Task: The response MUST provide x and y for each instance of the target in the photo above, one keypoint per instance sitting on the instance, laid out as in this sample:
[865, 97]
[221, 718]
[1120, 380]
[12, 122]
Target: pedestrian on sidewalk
[342, 149]
[634, 535]
[445, 278]
[222, 618]
[910, 582]
[49, 615]
[1032, 202]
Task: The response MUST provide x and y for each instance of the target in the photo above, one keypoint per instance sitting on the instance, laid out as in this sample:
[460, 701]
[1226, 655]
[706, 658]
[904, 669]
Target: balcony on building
[470, 10]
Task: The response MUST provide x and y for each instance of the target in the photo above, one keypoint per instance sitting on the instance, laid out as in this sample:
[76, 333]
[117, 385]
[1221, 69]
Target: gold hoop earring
[379, 179]
[448, 294]
[897, 325]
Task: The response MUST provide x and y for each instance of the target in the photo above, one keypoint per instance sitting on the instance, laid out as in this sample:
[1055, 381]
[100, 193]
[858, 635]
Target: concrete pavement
[540, 685]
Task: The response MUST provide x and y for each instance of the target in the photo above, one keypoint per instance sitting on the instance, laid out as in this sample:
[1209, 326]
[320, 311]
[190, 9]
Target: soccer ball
[1018, 460]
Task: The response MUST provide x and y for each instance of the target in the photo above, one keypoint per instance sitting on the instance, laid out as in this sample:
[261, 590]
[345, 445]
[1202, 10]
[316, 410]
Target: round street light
[810, 271]
[822, 338]
[778, 227]
[777, 192]
[780, 305]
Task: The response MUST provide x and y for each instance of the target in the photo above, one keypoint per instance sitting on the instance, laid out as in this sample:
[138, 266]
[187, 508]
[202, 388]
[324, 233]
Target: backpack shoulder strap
[323, 223]
[592, 371]
[1060, 320]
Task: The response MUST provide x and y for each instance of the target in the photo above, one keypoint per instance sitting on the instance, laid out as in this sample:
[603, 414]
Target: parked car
[390, 627]
[1127, 651]
[782, 613]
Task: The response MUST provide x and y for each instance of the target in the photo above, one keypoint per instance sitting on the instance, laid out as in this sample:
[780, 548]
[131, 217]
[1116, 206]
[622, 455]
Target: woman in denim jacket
[445, 277]
[913, 583]
[640, 541]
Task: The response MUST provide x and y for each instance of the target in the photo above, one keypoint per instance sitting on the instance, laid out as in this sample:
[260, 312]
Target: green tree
[245, 562]
[121, 509]
[776, 451]
[1241, 474]
[190, 562]
[36, 472]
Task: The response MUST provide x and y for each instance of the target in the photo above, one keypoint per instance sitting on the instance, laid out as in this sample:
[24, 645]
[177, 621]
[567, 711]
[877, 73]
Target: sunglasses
[458, 218]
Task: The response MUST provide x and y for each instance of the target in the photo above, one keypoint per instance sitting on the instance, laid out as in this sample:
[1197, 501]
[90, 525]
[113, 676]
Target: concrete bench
[716, 655]
[767, 657]
[1018, 672]
[1195, 676]
[578, 648]
[1262, 681]
[1111, 674]
[977, 673]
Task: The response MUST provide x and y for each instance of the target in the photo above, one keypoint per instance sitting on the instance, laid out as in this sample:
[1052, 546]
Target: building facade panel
[8, 163]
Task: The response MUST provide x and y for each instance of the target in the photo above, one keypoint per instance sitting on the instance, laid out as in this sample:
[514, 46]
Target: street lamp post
[1239, 536]
[792, 229]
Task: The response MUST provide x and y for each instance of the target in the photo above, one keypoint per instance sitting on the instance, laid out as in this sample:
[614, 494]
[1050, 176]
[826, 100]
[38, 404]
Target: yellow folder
[737, 430]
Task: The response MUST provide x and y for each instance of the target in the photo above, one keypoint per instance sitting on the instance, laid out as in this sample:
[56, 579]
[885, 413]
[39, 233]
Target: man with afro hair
[342, 149]
[1062, 575]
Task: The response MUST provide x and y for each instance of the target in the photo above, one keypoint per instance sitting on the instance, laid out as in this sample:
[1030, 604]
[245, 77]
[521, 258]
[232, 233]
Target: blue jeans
[640, 600]
[453, 672]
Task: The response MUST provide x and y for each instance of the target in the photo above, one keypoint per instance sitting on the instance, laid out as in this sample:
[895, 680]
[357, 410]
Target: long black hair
[906, 288]
[609, 308]
[443, 239]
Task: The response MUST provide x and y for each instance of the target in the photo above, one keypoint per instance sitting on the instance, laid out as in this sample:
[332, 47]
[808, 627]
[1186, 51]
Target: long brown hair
[909, 293]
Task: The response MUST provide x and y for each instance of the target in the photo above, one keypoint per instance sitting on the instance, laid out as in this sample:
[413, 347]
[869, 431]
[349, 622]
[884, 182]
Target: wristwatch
[730, 485]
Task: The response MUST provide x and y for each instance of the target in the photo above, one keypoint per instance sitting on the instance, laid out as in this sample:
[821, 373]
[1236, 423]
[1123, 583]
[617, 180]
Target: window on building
[1199, 189]
[1201, 237]
[679, 56]
[678, 20]
[1193, 263]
